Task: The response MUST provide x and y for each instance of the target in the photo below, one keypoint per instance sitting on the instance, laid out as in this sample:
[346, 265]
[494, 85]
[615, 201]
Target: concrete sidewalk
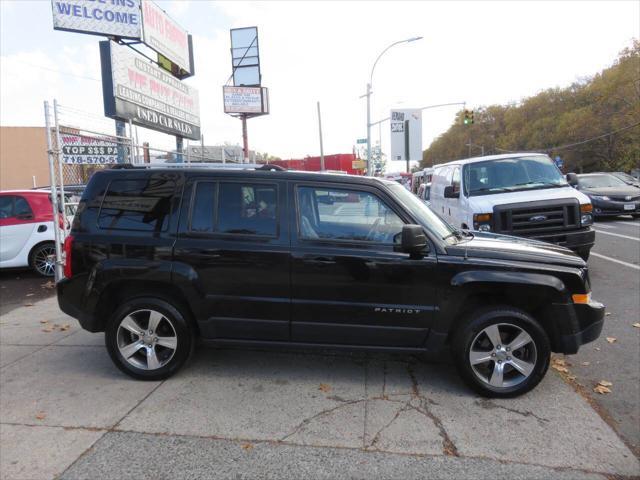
[66, 411]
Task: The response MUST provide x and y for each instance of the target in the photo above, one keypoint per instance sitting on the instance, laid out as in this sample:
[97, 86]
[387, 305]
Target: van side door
[233, 249]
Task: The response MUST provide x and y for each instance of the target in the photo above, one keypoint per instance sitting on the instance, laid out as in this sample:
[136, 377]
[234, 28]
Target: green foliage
[557, 117]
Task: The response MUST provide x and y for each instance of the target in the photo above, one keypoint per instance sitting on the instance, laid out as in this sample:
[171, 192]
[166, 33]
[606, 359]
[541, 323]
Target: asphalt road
[615, 280]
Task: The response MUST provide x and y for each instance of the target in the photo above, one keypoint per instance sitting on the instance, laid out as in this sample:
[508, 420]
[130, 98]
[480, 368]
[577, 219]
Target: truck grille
[531, 219]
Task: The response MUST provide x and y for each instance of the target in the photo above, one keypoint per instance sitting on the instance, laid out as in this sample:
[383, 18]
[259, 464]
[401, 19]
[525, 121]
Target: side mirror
[572, 179]
[414, 241]
[449, 192]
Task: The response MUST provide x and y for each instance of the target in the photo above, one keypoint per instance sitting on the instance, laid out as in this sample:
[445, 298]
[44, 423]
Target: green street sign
[361, 140]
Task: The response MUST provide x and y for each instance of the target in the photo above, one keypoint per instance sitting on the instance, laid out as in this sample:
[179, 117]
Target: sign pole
[60, 177]
[245, 139]
[121, 133]
[406, 143]
[179, 144]
[54, 194]
[320, 133]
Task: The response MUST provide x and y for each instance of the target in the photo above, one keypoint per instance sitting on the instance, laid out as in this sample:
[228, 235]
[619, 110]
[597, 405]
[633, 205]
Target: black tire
[469, 332]
[176, 322]
[584, 253]
[37, 261]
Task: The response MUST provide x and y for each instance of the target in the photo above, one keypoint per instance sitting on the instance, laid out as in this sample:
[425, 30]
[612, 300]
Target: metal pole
[222, 153]
[245, 139]
[121, 132]
[137, 144]
[407, 154]
[179, 149]
[202, 147]
[320, 133]
[369, 166]
[188, 153]
[54, 195]
[132, 158]
[60, 177]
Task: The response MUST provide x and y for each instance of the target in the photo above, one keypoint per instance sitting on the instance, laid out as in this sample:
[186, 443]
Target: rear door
[16, 225]
[233, 247]
[348, 284]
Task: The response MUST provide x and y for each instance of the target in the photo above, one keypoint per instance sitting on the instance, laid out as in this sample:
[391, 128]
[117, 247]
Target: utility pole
[320, 133]
[245, 139]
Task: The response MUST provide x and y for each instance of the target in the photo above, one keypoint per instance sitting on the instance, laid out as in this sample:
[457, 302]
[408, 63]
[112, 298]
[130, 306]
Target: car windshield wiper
[459, 234]
[542, 184]
[487, 189]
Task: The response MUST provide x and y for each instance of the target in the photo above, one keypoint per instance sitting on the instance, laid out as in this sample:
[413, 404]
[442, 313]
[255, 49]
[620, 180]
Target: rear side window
[6, 206]
[248, 209]
[13, 205]
[202, 214]
[21, 207]
[139, 204]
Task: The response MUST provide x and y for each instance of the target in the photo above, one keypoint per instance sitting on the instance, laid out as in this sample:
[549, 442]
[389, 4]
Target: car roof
[502, 156]
[593, 174]
[262, 174]
[25, 192]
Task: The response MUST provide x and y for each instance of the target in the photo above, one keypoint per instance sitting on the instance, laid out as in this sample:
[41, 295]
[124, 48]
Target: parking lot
[67, 412]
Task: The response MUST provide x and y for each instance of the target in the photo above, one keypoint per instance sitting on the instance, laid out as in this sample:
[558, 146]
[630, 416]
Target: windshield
[511, 174]
[625, 177]
[600, 181]
[421, 212]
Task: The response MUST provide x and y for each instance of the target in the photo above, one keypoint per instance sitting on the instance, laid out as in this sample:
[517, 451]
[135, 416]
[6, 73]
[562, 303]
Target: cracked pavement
[67, 412]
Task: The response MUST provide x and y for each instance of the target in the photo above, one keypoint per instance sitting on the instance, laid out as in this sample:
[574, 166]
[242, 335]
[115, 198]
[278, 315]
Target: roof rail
[210, 165]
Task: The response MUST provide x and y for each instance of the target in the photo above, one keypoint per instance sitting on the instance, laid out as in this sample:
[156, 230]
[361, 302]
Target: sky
[476, 52]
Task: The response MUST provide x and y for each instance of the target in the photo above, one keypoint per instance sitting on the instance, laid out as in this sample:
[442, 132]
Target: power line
[561, 147]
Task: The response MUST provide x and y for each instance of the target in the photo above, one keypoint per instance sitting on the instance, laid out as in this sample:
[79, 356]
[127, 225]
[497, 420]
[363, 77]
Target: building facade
[23, 158]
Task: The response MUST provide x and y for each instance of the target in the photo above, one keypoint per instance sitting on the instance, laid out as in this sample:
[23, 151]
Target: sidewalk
[66, 411]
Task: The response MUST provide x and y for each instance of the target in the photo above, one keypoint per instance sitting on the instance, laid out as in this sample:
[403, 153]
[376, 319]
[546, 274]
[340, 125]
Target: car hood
[485, 203]
[615, 191]
[506, 247]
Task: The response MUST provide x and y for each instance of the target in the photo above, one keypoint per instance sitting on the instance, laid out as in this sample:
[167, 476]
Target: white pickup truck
[522, 194]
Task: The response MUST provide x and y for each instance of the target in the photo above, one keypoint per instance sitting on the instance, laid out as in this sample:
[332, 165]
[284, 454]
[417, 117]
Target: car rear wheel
[42, 259]
[501, 352]
[149, 339]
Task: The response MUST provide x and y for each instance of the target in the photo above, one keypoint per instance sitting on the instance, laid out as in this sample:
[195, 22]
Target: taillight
[68, 246]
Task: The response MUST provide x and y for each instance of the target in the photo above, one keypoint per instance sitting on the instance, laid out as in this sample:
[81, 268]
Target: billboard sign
[137, 90]
[80, 149]
[245, 57]
[119, 18]
[245, 100]
[406, 134]
[165, 36]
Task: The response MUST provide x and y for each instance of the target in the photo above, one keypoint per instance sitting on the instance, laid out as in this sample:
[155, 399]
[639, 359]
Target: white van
[521, 194]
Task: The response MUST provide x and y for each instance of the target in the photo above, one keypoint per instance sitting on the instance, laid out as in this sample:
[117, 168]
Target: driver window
[455, 181]
[336, 214]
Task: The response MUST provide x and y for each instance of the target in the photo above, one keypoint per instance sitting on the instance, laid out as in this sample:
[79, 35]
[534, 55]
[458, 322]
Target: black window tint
[346, 215]
[203, 207]
[247, 209]
[6, 206]
[141, 205]
[21, 207]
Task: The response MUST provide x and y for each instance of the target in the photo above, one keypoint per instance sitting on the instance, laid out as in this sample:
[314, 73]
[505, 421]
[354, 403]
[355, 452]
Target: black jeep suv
[160, 256]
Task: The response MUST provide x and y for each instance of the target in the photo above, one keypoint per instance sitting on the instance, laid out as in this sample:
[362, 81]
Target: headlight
[482, 222]
[586, 219]
[601, 197]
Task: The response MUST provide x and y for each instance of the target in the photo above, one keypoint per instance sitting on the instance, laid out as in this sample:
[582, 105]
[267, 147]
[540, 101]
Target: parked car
[522, 194]
[423, 191]
[626, 178]
[609, 195]
[157, 257]
[27, 238]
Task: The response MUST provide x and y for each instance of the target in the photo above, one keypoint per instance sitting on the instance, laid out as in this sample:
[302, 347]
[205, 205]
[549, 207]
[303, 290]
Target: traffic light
[467, 118]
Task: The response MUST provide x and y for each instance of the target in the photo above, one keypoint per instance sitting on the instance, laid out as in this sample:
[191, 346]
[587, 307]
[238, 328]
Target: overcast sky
[479, 52]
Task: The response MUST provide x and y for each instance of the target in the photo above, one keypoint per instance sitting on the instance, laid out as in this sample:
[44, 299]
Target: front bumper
[573, 239]
[581, 323]
[604, 208]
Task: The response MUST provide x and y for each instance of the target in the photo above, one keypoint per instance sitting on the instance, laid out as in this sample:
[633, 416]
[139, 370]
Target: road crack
[489, 405]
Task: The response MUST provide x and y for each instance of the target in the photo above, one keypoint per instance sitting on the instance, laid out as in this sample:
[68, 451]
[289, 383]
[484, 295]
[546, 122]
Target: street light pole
[368, 95]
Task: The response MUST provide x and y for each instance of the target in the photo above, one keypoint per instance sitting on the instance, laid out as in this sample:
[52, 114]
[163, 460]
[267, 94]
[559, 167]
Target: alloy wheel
[44, 260]
[147, 339]
[503, 355]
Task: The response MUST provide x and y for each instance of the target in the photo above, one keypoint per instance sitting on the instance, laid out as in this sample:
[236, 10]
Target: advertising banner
[245, 100]
[406, 134]
[118, 18]
[137, 90]
[80, 149]
[165, 36]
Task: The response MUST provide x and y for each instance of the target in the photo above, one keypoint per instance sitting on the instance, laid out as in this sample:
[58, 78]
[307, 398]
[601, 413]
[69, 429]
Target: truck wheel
[149, 339]
[584, 253]
[501, 352]
[42, 259]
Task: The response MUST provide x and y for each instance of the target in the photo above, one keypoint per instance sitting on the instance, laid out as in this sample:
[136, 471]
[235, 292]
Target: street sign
[406, 134]
[361, 140]
[559, 162]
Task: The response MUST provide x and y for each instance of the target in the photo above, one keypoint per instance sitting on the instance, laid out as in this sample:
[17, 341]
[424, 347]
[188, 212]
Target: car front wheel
[149, 339]
[501, 352]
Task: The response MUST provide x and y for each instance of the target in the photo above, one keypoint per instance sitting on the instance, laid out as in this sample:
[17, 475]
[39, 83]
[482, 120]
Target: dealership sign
[246, 100]
[118, 18]
[406, 134]
[137, 90]
[165, 36]
[80, 149]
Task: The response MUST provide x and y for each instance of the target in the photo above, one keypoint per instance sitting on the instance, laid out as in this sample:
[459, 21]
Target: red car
[27, 238]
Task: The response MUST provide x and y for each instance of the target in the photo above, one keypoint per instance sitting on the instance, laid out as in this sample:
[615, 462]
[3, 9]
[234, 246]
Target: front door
[16, 225]
[349, 286]
[233, 247]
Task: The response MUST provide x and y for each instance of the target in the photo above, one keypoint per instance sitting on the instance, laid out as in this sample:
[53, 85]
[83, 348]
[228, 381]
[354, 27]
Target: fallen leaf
[586, 364]
[571, 377]
[48, 329]
[637, 324]
[29, 295]
[607, 314]
[324, 387]
[601, 389]
[597, 349]
[28, 304]
[65, 327]
[560, 368]
[247, 446]
[44, 321]
[611, 339]
[49, 284]
[559, 361]
[41, 415]
[605, 383]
